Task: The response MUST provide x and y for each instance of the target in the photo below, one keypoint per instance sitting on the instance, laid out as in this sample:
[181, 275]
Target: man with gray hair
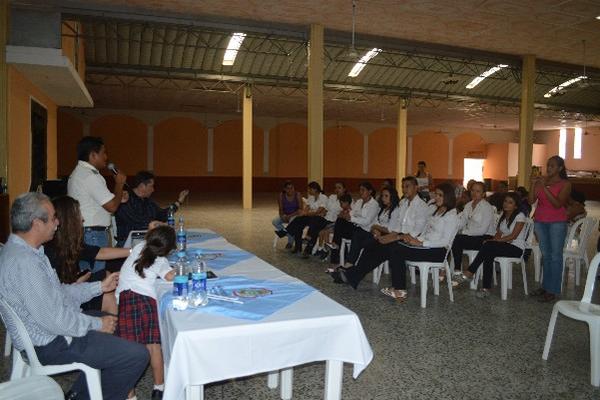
[51, 312]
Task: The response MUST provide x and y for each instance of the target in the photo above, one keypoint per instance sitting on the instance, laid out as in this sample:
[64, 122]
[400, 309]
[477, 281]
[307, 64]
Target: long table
[200, 348]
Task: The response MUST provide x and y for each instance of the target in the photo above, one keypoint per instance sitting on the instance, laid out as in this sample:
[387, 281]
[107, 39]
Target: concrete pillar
[315, 103]
[4, 14]
[526, 120]
[247, 148]
[150, 152]
[401, 139]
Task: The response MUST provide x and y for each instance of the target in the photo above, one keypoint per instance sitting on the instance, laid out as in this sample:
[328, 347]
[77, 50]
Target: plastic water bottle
[171, 217]
[199, 295]
[181, 236]
[180, 283]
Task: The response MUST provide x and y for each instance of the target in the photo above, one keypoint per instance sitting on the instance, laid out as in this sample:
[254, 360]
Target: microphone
[112, 168]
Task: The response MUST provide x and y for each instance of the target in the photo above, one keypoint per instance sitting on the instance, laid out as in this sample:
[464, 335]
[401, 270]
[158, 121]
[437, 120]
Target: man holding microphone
[97, 203]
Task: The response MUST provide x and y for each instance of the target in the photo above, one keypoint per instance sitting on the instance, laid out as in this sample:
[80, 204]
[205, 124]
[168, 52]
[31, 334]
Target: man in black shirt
[140, 212]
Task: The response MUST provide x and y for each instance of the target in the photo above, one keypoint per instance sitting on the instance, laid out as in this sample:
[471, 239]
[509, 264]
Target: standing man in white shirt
[88, 186]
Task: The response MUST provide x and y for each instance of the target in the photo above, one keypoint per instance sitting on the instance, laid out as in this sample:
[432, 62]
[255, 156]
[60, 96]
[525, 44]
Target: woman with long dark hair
[67, 248]
[428, 246]
[551, 222]
[509, 241]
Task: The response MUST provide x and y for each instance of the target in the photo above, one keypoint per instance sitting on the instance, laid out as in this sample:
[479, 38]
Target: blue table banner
[260, 298]
[215, 259]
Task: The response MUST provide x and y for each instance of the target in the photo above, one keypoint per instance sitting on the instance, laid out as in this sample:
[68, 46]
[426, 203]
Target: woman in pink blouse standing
[552, 193]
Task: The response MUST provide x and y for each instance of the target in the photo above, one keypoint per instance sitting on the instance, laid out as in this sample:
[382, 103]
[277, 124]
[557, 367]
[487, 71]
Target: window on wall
[577, 144]
[562, 143]
[473, 169]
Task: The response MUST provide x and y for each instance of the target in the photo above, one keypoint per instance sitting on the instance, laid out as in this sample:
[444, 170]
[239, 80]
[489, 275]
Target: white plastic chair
[21, 369]
[383, 267]
[345, 242]
[585, 311]
[31, 388]
[506, 263]
[424, 268]
[576, 249]
[471, 254]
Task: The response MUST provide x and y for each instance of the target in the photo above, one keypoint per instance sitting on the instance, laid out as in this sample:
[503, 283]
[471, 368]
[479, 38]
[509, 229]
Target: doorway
[39, 124]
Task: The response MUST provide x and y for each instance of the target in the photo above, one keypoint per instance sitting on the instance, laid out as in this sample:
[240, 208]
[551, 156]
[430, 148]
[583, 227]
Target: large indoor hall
[310, 176]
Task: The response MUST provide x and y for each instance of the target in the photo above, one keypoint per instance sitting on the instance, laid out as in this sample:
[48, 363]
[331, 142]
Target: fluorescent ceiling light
[363, 61]
[487, 73]
[232, 48]
[563, 85]
[598, 17]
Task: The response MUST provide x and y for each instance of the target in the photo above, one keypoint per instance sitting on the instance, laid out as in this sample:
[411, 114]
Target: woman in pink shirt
[552, 193]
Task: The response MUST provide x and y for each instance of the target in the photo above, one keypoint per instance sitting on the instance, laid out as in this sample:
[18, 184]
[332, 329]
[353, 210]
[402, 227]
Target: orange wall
[125, 138]
[69, 50]
[495, 165]
[589, 149]
[288, 148]
[20, 93]
[228, 149]
[69, 132]
[433, 149]
[343, 152]
[382, 153]
[465, 145]
[180, 147]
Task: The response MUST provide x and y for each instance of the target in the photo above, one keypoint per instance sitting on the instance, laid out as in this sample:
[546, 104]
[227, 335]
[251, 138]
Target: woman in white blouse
[428, 246]
[315, 205]
[362, 216]
[509, 241]
[477, 222]
[388, 212]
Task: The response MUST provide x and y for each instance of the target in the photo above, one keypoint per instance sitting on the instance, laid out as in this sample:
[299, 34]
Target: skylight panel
[484, 75]
[232, 48]
[559, 88]
[358, 67]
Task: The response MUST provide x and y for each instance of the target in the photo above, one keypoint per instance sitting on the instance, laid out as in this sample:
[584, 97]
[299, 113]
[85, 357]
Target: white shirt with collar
[315, 203]
[506, 230]
[364, 215]
[333, 208]
[412, 216]
[478, 221]
[386, 218]
[440, 230]
[88, 186]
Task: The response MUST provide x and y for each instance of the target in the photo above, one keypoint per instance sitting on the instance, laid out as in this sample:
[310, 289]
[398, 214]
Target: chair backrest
[579, 234]
[591, 279]
[575, 230]
[529, 236]
[16, 329]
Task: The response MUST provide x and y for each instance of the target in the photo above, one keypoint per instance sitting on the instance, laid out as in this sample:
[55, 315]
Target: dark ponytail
[159, 242]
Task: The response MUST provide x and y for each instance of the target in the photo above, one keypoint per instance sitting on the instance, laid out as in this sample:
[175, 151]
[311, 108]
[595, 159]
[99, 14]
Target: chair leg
[449, 283]
[275, 241]
[550, 333]
[386, 267]
[577, 270]
[476, 278]
[595, 353]
[377, 274]
[94, 384]
[524, 277]
[537, 264]
[413, 276]
[343, 253]
[509, 269]
[19, 368]
[503, 281]
[7, 345]
[424, 275]
[435, 278]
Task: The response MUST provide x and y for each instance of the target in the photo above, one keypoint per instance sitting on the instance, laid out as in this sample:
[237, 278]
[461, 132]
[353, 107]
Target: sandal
[391, 292]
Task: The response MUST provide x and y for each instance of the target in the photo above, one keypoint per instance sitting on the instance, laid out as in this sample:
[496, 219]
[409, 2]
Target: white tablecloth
[200, 348]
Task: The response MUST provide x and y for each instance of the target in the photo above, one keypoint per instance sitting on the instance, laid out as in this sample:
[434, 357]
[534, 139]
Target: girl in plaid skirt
[138, 315]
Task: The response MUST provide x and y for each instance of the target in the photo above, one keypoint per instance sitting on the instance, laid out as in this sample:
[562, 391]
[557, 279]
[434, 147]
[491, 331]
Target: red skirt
[138, 318]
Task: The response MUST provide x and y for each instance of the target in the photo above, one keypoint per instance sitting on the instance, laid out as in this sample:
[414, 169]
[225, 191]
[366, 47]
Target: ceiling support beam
[526, 118]
[315, 104]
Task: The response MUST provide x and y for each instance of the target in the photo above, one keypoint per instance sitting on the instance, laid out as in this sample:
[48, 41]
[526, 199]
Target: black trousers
[465, 242]
[361, 239]
[342, 229]
[370, 259]
[296, 227]
[486, 255]
[316, 225]
[401, 253]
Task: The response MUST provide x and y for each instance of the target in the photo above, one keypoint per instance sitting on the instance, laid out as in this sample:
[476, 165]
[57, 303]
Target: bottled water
[180, 283]
[171, 217]
[199, 296]
[181, 236]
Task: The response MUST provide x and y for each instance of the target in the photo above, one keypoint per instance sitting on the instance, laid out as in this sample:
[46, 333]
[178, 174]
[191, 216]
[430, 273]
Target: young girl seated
[138, 315]
[345, 206]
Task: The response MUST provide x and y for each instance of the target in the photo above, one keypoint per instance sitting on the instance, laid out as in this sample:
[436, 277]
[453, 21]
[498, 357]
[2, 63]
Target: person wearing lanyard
[88, 186]
[551, 221]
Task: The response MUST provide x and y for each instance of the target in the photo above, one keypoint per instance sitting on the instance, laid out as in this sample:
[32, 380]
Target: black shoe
[337, 278]
[306, 253]
[288, 246]
[157, 394]
[71, 395]
[538, 292]
[282, 233]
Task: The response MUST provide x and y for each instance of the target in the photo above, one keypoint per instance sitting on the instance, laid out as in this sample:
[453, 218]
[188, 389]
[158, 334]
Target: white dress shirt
[478, 221]
[364, 215]
[333, 208]
[506, 230]
[440, 230]
[412, 217]
[88, 186]
[315, 203]
[385, 218]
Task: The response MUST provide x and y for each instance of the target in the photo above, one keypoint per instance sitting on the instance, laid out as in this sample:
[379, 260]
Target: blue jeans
[551, 236]
[94, 238]
[278, 224]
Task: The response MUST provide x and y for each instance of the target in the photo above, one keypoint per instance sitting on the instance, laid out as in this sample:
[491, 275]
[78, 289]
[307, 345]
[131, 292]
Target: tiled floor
[469, 349]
